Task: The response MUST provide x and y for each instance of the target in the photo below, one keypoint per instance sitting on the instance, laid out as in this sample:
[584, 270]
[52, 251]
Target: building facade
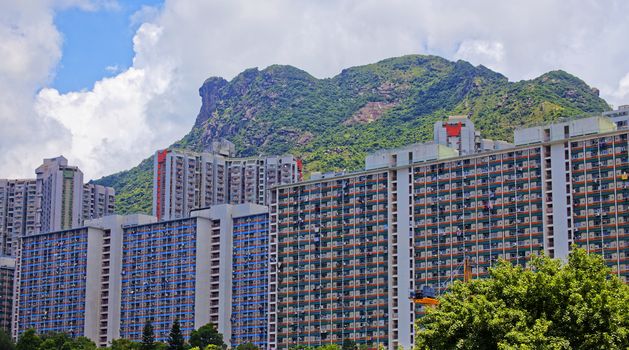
[69, 280]
[334, 264]
[183, 269]
[60, 188]
[106, 279]
[184, 181]
[558, 185]
[250, 280]
[98, 201]
[19, 212]
[56, 200]
[7, 272]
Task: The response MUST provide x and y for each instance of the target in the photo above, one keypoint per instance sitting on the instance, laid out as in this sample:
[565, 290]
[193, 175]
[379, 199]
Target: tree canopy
[6, 343]
[175, 339]
[30, 340]
[247, 346]
[206, 335]
[148, 337]
[549, 305]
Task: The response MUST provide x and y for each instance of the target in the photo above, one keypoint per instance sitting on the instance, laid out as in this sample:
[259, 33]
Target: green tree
[578, 305]
[29, 340]
[247, 346]
[148, 337]
[83, 343]
[205, 336]
[211, 347]
[124, 344]
[329, 347]
[175, 338]
[6, 343]
[56, 341]
[349, 344]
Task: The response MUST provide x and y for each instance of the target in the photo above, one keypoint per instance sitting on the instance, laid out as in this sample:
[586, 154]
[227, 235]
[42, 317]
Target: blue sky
[94, 41]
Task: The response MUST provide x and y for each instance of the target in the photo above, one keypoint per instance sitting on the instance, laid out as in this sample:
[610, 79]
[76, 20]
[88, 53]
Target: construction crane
[426, 296]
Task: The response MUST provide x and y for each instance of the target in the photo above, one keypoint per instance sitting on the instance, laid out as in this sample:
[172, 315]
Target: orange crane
[427, 294]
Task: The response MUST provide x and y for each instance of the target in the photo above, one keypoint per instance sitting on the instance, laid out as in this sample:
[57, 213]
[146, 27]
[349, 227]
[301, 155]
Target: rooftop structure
[459, 133]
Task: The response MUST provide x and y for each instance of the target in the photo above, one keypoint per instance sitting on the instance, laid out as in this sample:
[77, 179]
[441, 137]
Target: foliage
[124, 344]
[329, 347]
[133, 188]
[578, 305]
[349, 344]
[6, 343]
[247, 346]
[321, 347]
[52, 341]
[29, 340]
[206, 335]
[148, 337]
[283, 109]
[175, 339]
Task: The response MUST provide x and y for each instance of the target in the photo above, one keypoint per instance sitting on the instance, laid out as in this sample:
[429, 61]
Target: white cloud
[622, 92]
[153, 103]
[112, 69]
[490, 53]
[30, 50]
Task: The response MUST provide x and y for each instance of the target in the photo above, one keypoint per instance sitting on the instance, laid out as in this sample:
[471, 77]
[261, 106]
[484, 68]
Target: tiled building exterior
[53, 282]
[158, 276]
[250, 280]
[60, 187]
[183, 269]
[69, 281]
[56, 200]
[98, 201]
[559, 185]
[19, 215]
[334, 264]
[105, 280]
[599, 198]
[7, 272]
[184, 181]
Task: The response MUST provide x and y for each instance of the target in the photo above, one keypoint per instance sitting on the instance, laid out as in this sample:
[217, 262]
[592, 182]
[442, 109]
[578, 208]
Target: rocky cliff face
[331, 123]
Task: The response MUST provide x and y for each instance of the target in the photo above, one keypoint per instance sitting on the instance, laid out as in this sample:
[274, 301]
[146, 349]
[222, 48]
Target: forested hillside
[331, 123]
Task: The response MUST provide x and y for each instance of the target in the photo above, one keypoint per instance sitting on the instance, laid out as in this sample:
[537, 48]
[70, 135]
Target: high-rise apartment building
[56, 200]
[7, 272]
[106, 279]
[185, 269]
[183, 181]
[348, 249]
[98, 201]
[60, 188]
[19, 212]
[334, 264]
[250, 279]
[69, 280]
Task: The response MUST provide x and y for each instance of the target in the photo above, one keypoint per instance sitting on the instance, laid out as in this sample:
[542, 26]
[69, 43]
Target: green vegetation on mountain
[332, 123]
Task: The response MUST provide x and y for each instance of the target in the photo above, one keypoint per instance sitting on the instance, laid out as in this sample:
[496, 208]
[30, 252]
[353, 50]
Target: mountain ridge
[332, 122]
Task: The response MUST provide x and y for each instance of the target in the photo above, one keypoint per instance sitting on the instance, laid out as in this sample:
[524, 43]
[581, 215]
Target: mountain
[331, 123]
